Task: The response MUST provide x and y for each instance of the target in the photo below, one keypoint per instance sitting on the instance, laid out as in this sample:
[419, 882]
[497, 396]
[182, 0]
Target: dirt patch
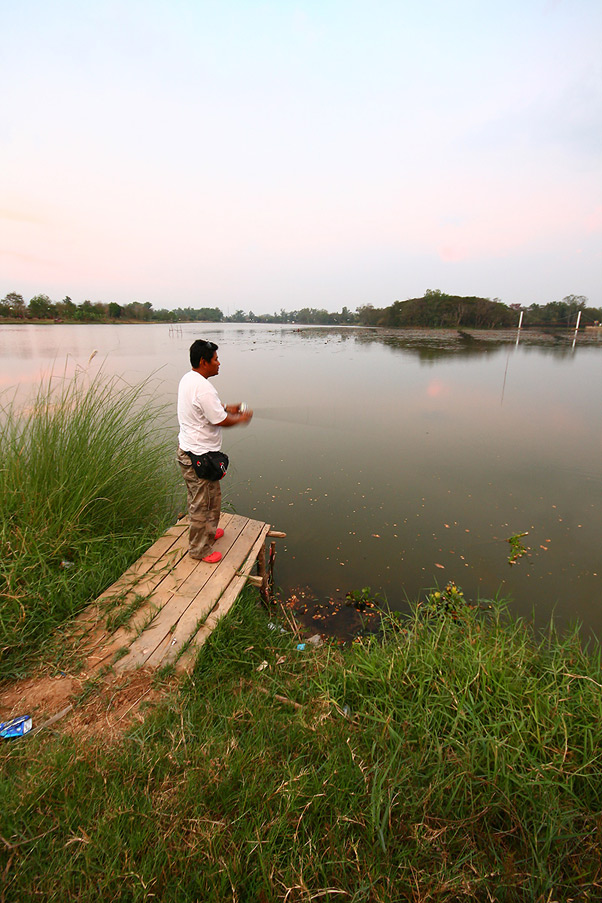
[117, 705]
[106, 707]
[40, 696]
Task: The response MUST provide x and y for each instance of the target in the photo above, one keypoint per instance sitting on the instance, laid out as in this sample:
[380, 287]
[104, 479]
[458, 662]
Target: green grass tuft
[87, 480]
[456, 759]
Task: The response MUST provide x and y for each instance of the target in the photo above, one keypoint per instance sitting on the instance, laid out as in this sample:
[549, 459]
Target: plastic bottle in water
[16, 727]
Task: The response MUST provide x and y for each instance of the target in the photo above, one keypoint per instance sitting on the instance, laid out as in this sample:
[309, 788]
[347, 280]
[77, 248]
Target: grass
[457, 757]
[87, 480]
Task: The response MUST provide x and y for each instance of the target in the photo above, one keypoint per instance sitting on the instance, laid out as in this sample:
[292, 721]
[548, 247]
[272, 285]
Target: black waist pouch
[210, 466]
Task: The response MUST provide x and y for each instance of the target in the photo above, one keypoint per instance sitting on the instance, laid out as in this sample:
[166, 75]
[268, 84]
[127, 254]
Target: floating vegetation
[517, 549]
[342, 618]
[448, 601]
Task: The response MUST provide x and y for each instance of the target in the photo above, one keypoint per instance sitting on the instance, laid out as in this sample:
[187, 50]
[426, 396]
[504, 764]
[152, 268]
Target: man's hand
[236, 417]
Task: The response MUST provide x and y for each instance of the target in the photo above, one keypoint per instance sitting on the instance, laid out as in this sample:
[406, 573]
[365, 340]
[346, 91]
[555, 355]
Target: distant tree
[368, 315]
[347, 317]
[194, 314]
[560, 313]
[591, 316]
[91, 313]
[138, 310]
[210, 314]
[16, 304]
[438, 310]
[41, 307]
[66, 309]
[574, 303]
[164, 316]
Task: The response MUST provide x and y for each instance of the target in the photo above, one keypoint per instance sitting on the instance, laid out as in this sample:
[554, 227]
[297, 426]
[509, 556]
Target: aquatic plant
[517, 547]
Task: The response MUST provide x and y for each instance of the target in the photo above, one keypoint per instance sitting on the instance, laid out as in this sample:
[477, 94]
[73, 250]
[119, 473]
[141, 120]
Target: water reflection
[391, 460]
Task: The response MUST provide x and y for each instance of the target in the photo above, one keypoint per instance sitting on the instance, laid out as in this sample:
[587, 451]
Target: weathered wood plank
[170, 571]
[194, 600]
[172, 538]
[189, 576]
[179, 598]
[186, 661]
[144, 588]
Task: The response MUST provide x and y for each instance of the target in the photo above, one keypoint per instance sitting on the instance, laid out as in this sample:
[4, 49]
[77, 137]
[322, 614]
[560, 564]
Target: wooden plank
[181, 616]
[193, 601]
[190, 575]
[169, 571]
[173, 541]
[145, 588]
[180, 593]
[150, 605]
[188, 658]
[172, 537]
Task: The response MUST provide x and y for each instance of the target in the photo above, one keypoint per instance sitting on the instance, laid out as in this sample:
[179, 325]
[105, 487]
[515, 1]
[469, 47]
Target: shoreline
[528, 335]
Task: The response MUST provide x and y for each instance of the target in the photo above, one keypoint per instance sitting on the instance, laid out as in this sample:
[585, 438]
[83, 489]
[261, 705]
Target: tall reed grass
[86, 480]
[458, 758]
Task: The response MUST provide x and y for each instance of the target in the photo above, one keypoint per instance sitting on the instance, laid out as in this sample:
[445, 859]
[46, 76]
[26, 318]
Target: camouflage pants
[204, 507]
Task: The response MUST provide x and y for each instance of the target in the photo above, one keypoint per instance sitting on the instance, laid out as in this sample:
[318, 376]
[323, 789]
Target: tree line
[439, 310]
[434, 310]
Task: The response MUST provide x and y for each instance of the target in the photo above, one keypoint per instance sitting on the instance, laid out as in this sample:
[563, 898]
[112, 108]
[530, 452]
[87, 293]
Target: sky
[280, 154]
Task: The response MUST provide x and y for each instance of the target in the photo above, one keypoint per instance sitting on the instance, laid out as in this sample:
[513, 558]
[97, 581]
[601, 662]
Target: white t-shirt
[199, 413]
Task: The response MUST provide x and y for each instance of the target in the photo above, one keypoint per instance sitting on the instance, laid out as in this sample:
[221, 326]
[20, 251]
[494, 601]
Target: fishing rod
[285, 414]
[520, 326]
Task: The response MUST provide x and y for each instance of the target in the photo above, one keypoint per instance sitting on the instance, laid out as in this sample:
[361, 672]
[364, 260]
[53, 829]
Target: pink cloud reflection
[437, 389]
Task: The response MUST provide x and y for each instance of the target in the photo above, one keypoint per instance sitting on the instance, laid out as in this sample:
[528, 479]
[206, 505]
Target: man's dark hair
[201, 351]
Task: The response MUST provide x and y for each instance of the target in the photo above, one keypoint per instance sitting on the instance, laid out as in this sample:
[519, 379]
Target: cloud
[593, 222]
[451, 253]
[20, 217]
[26, 258]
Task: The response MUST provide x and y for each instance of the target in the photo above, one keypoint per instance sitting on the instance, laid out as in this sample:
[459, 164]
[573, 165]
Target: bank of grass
[87, 480]
[455, 758]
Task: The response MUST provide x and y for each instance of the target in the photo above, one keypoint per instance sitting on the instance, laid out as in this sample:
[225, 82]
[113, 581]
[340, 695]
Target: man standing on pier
[201, 416]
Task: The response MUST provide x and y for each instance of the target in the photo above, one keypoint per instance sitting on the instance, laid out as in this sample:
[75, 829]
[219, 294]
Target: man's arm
[234, 417]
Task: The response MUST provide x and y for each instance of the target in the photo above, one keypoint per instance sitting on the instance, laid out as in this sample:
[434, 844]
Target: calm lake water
[391, 461]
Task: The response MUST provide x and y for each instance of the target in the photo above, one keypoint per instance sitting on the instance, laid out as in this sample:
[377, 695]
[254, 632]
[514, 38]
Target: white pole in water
[520, 323]
[576, 328]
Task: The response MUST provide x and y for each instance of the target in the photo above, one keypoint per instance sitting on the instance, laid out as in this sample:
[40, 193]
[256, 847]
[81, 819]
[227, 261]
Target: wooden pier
[164, 607]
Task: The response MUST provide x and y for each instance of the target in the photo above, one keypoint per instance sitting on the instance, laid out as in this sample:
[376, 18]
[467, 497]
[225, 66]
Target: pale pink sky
[269, 155]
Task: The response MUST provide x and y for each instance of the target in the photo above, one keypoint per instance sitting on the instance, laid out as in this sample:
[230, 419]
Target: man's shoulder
[195, 386]
[190, 376]
[193, 380]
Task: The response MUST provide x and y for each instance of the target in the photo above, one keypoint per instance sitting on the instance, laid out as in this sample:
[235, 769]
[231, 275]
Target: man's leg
[204, 505]
[204, 508]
